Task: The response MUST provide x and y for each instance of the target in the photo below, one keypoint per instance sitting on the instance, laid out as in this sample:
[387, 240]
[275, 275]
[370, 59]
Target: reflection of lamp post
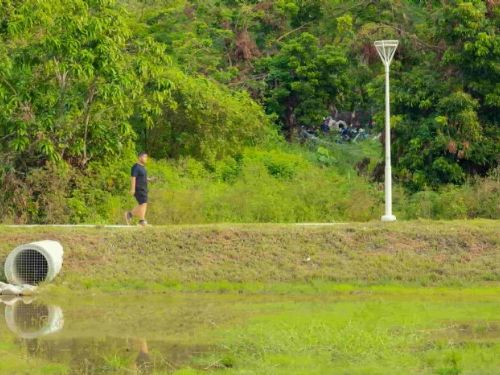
[386, 50]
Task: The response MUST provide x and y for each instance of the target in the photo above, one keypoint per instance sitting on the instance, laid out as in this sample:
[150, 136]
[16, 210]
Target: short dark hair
[142, 153]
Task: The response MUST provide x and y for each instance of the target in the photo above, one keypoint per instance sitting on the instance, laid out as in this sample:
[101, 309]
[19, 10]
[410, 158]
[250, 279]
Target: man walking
[139, 189]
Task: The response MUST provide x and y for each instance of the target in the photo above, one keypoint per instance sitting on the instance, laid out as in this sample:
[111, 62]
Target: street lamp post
[386, 50]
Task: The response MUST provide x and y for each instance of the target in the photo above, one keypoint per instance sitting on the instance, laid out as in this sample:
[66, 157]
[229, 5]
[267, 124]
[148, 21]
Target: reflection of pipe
[29, 319]
[34, 263]
[10, 300]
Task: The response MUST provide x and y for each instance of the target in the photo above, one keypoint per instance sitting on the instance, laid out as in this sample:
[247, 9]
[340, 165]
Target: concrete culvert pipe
[34, 263]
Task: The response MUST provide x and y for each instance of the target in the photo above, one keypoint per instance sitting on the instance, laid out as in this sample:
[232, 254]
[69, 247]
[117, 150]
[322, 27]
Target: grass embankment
[272, 257]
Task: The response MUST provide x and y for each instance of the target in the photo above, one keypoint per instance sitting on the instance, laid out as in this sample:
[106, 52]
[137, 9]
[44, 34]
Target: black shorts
[141, 197]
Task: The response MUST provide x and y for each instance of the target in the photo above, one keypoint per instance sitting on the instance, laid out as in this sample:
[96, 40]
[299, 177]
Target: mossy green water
[359, 331]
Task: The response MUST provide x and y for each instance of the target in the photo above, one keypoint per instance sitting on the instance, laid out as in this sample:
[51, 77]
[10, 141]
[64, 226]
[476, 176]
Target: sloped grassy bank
[272, 257]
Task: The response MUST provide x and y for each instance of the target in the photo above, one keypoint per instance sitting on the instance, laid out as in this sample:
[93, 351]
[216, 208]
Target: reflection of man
[143, 363]
[32, 346]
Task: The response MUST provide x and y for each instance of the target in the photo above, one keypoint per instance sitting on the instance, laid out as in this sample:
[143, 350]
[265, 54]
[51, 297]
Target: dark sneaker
[128, 217]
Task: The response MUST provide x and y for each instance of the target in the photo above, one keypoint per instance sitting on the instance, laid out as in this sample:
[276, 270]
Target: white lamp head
[386, 50]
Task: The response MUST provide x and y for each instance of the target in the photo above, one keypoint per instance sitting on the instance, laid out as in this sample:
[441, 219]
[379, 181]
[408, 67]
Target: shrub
[261, 186]
[477, 199]
[39, 197]
[482, 199]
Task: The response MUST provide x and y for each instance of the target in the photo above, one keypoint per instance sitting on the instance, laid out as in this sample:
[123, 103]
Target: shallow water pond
[358, 332]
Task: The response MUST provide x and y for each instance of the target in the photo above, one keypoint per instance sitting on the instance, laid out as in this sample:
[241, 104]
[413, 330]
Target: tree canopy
[298, 58]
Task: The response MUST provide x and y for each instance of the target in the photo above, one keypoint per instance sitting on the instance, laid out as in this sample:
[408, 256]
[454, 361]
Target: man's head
[142, 157]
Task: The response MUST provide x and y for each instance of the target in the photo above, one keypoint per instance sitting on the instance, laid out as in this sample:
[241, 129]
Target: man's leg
[136, 211]
[140, 211]
[128, 217]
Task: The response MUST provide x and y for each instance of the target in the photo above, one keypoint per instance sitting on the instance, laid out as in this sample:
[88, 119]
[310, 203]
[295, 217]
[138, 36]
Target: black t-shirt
[141, 177]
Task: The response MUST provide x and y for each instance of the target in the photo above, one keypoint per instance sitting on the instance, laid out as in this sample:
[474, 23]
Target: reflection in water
[38, 330]
[143, 363]
[29, 319]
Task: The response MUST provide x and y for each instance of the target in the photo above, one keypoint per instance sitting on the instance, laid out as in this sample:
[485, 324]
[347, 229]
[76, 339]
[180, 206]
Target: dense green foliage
[304, 80]
[451, 125]
[75, 78]
[204, 121]
[301, 58]
[215, 83]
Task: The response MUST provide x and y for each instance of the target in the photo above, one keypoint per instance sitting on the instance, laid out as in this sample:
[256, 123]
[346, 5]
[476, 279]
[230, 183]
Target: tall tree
[303, 80]
[65, 81]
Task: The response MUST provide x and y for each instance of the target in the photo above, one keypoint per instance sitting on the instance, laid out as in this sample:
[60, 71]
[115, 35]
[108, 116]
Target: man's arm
[132, 185]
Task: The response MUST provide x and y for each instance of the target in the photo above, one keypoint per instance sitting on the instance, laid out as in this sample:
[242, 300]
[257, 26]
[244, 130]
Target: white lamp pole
[386, 50]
